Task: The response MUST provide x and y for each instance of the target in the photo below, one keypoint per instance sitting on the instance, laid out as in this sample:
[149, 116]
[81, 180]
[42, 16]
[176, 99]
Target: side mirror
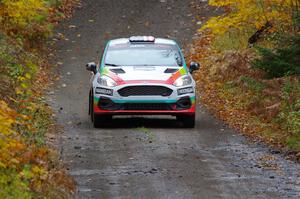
[194, 66]
[91, 67]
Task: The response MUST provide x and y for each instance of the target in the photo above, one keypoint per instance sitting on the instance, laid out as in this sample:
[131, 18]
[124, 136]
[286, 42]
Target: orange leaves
[7, 119]
[236, 94]
[9, 143]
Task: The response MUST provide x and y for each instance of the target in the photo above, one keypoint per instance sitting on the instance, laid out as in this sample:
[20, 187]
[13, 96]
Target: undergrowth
[264, 109]
[28, 167]
[250, 69]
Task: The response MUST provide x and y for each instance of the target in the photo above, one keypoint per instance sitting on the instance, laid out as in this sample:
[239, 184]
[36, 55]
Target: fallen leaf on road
[147, 24]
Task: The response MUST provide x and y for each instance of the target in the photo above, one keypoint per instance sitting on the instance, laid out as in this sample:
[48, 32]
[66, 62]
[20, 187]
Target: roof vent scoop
[117, 70]
[171, 70]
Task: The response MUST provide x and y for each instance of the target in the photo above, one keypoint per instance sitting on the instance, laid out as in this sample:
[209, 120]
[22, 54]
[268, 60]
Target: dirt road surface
[160, 160]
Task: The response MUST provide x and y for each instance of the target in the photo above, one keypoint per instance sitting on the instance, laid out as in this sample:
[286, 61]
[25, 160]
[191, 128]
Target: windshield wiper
[108, 64]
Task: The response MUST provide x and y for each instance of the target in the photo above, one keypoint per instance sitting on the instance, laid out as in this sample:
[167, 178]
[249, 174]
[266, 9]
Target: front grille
[145, 90]
[147, 106]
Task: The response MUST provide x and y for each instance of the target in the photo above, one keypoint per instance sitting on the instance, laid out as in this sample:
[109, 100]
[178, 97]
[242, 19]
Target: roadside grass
[266, 110]
[29, 168]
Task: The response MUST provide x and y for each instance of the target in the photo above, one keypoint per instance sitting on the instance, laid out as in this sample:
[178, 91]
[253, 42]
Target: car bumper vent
[145, 90]
[148, 106]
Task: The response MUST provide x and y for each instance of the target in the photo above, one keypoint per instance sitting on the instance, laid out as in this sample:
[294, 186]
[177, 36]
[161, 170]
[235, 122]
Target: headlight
[183, 81]
[106, 81]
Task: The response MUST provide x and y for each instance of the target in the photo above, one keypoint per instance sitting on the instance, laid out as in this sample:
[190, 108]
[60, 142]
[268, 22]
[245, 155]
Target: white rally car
[142, 75]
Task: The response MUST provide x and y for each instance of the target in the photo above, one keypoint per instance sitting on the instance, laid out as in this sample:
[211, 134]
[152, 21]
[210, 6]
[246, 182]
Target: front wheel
[98, 120]
[188, 121]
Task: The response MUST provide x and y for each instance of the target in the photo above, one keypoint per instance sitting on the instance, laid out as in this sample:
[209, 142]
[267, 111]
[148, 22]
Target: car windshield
[143, 55]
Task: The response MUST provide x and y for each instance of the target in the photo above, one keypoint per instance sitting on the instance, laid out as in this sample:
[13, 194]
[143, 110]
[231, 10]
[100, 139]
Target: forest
[250, 59]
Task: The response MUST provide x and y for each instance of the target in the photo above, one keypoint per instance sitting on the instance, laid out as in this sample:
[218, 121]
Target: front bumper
[174, 104]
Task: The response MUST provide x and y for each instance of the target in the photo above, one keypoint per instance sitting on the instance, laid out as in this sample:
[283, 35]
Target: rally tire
[91, 107]
[90, 103]
[98, 120]
[188, 121]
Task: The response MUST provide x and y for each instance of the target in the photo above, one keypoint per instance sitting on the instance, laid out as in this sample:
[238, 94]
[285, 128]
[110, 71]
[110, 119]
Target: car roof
[157, 41]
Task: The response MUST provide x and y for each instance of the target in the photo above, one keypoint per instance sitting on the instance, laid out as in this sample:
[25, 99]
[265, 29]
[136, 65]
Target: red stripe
[116, 78]
[120, 81]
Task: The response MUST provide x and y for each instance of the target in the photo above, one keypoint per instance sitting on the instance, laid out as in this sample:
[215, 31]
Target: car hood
[128, 73]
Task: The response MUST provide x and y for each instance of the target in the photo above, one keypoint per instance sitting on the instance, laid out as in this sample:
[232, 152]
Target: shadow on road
[147, 122]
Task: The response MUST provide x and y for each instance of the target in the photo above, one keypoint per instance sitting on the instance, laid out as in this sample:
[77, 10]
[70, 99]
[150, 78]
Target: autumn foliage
[28, 167]
[245, 96]
[245, 15]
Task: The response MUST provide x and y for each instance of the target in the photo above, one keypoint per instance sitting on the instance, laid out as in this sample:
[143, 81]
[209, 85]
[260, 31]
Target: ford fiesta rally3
[142, 75]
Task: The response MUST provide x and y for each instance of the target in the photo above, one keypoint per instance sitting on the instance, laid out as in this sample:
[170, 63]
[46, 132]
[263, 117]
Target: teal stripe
[96, 99]
[144, 101]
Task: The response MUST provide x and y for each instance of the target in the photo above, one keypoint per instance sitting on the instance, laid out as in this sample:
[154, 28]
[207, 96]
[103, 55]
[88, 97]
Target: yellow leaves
[27, 18]
[253, 14]
[21, 12]
[19, 91]
[7, 119]
[25, 80]
[15, 150]
[14, 161]
[220, 2]
[21, 78]
[258, 25]
[36, 170]
[17, 145]
[28, 75]
[24, 85]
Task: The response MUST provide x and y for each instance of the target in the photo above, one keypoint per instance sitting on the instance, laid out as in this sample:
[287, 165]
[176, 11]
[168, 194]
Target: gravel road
[152, 157]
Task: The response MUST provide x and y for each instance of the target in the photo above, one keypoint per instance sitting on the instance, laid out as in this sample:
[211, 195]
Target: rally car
[142, 75]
